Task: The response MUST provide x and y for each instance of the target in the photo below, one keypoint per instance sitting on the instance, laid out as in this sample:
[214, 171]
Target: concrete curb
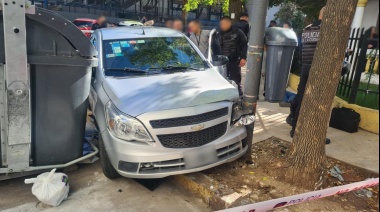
[199, 184]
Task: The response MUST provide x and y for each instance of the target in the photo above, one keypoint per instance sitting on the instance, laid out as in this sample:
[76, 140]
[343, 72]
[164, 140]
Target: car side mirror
[220, 60]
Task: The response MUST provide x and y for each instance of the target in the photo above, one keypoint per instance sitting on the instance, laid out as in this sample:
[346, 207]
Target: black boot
[290, 119]
[328, 141]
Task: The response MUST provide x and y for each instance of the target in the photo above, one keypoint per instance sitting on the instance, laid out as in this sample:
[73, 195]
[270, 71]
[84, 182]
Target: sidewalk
[360, 149]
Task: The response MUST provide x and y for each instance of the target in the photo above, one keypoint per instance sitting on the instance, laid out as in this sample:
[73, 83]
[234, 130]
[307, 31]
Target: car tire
[108, 170]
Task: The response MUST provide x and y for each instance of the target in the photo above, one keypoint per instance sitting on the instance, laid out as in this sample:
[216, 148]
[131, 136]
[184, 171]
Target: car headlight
[239, 117]
[125, 127]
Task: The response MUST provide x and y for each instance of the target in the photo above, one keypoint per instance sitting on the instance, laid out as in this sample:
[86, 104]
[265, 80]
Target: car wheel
[107, 167]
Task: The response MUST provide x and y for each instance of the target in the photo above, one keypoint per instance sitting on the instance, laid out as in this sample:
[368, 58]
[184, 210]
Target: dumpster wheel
[108, 170]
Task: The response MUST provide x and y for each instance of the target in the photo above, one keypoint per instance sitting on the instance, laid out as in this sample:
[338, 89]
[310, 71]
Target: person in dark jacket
[373, 44]
[272, 23]
[100, 23]
[243, 24]
[310, 37]
[234, 45]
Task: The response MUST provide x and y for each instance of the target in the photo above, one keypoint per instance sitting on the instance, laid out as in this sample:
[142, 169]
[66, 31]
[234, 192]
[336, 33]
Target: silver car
[161, 108]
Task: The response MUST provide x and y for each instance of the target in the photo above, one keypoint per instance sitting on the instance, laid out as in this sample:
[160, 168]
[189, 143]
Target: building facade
[367, 14]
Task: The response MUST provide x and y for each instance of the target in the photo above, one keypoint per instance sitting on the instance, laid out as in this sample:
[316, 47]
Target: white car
[161, 108]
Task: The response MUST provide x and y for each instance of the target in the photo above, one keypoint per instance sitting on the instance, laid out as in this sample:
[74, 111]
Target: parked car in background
[84, 24]
[161, 108]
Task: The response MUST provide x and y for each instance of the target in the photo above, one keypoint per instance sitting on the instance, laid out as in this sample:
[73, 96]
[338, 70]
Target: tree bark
[184, 13]
[306, 162]
[237, 7]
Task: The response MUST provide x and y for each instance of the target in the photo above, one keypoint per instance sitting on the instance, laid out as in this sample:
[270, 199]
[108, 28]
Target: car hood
[136, 96]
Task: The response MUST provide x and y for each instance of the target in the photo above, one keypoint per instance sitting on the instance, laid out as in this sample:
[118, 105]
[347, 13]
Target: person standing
[100, 23]
[373, 44]
[144, 19]
[272, 23]
[178, 25]
[169, 23]
[234, 45]
[310, 37]
[201, 38]
[243, 24]
[287, 25]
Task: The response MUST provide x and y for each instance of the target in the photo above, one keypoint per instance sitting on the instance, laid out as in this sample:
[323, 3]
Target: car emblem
[198, 127]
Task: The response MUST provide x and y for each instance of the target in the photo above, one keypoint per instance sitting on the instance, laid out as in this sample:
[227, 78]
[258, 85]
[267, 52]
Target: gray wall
[371, 14]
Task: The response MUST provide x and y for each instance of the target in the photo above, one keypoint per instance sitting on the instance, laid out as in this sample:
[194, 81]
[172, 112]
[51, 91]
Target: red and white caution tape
[306, 197]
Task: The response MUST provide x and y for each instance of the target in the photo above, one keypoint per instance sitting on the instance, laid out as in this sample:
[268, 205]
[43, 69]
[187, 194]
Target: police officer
[243, 24]
[310, 37]
[234, 45]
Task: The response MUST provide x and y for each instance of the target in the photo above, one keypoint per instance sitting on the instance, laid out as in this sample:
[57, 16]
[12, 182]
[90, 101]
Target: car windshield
[83, 23]
[145, 56]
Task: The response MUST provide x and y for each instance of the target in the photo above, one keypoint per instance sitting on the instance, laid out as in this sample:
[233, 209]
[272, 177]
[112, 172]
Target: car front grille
[189, 120]
[193, 139]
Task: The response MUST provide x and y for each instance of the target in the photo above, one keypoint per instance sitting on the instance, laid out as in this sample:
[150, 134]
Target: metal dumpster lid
[277, 36]
[67, 29]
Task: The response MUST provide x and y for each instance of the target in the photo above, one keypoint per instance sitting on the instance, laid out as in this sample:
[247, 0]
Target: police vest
[310, 38]
[230, 44]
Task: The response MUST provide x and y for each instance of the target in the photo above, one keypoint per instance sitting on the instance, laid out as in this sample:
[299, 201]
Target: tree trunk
[184, 12]
[237, 7]
[307, 156]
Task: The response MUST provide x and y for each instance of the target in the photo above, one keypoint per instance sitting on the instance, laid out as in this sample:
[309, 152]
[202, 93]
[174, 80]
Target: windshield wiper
[135, 70]
[174, 68]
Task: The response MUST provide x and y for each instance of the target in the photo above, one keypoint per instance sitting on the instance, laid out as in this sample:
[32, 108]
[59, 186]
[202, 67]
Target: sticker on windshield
[116, 45]
[117, 50]
[119, 54]
[141, 41]
[124, 44]
[132, 42]
[110, 55]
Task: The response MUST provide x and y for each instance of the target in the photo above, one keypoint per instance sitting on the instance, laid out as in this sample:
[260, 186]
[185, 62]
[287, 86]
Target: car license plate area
[200, 157]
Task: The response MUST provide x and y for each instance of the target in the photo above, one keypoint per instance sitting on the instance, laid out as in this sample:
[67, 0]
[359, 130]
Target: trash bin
[60, 62]
[281, 44]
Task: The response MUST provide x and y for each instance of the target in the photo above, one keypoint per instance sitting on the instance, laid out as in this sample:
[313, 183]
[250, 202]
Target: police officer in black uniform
[310, 37]
[234, 45]
[243, 24]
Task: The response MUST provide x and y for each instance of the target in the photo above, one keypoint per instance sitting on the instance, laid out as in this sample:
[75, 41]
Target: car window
[151, 54]
[93, 41]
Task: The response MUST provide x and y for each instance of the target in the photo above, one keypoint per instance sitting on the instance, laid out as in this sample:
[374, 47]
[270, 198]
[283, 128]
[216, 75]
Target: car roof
[133, 32]
[85, 19]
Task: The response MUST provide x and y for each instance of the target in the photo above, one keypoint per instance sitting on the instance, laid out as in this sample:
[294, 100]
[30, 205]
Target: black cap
[244, 15]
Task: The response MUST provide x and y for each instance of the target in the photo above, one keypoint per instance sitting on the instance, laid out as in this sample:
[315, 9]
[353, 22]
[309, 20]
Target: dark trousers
[297, 102]
[234, 73]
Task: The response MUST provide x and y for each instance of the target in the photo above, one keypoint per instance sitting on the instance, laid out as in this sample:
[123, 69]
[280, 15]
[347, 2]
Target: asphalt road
[91, 191]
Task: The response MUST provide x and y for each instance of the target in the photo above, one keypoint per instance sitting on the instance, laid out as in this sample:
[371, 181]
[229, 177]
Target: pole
[16, 118]
[257, 16]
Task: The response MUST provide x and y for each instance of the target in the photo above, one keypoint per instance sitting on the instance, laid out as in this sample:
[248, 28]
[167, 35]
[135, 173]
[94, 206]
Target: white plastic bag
[50, 188]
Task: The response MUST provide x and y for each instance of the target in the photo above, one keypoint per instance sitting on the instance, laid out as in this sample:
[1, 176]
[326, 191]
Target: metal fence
[133, 9]
[361, 85]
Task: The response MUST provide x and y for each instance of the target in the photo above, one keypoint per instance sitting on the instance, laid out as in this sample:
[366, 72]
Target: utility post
[257, 16]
